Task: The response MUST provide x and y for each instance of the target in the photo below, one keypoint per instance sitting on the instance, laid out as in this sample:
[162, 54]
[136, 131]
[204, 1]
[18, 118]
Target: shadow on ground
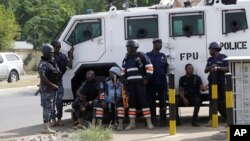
[32, 130]
[140, 134]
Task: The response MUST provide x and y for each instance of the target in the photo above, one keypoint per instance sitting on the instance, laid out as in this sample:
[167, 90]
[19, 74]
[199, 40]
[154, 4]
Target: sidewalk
[186, 132]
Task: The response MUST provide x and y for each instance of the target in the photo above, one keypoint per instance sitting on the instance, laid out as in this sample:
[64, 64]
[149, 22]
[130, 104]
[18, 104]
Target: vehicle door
[88, 38]
[3, 68]
[187, 43]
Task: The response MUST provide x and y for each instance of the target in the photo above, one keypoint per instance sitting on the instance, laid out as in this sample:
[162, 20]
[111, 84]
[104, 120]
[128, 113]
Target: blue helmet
[115, 70]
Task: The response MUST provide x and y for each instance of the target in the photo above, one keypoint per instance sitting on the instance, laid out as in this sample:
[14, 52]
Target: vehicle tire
[13, 77]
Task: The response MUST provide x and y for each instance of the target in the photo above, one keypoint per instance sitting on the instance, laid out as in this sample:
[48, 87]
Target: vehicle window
[141, 27]
[85, 30]
[11, 57]
[1, 59]
[234, 20]
[186, 24]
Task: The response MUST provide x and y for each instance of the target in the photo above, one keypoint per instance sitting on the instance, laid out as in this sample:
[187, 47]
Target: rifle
[38, 91]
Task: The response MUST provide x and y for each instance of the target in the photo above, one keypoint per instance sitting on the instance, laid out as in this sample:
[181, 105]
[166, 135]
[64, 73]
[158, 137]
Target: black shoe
[195, 124]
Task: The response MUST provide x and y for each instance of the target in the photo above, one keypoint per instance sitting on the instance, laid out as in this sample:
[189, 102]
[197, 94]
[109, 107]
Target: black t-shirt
[191, 85]
[90, 90]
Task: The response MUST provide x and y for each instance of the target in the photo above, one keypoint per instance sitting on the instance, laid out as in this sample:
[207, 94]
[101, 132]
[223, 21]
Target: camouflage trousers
[57, 110]
[47, 99]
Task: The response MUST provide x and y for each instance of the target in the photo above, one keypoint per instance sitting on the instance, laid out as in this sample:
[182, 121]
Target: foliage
[139, 3]
[9, 29]
[93, 134]
[41, 20]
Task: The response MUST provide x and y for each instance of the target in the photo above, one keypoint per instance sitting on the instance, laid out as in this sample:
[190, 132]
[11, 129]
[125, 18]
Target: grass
[93, 134]
[30, 79]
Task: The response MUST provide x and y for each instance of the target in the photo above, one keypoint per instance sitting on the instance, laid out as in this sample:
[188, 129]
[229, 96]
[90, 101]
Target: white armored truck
[99, 39]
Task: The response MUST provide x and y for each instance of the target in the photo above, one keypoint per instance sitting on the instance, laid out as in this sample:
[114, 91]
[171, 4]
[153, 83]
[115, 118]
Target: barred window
[139, 27]
[234, 20]
[186, 24]
[84, 31]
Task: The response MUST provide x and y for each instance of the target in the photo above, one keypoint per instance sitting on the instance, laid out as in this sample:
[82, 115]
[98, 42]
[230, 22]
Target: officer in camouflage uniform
[62, 62]
[48, 72]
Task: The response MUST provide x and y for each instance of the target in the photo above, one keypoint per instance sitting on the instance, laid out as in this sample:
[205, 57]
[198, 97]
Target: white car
[11, 67]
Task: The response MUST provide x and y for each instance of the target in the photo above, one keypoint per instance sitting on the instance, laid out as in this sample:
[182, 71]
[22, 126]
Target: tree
[9, 28]
[42, 19]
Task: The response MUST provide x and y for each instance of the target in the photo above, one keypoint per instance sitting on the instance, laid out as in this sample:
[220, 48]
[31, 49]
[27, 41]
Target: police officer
[158, 82]
[48, 72]
[190, 86]
[216, 65]
[110, 99]
[85, 96]
[137, 69]
[63, 62]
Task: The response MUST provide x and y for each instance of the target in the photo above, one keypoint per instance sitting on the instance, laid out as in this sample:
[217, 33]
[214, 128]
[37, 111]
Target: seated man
[110, 99]
[85, 96]
[190, 86]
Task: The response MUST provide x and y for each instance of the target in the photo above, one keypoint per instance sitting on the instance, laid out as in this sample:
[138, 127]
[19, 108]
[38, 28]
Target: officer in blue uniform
[63, 62]
[49, 73]
[218, 66]
[158, 82]
[110, 99]
[136, 70]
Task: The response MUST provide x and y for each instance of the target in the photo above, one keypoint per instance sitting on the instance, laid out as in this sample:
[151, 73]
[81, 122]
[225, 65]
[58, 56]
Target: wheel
[13, 77]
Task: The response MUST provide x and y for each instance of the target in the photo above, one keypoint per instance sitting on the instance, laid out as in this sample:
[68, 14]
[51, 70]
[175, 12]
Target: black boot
[154, 120]
[195, 121]
[178, 121]
[163, 118]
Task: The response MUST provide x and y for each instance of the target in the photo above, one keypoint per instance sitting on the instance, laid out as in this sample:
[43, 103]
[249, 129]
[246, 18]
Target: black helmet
[132, 43]
[47, 48]
[215, 45]
[56, 43]
[157, 40]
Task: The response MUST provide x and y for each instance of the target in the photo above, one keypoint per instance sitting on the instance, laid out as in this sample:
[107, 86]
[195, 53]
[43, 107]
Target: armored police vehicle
[99, 39]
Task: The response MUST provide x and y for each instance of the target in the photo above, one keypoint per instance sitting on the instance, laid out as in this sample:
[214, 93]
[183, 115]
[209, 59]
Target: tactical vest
[53, 74]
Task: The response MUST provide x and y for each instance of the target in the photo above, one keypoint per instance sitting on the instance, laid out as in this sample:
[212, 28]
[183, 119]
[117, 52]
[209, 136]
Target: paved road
[20, 112]
[21, 115]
